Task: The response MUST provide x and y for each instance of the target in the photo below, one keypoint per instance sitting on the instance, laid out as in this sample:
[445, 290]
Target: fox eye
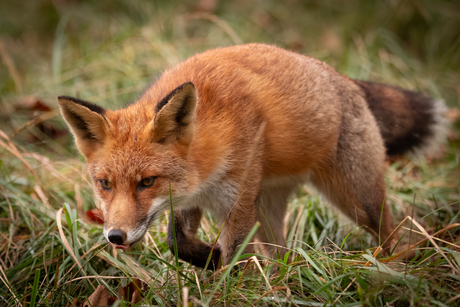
[147, 182]
[105, 184]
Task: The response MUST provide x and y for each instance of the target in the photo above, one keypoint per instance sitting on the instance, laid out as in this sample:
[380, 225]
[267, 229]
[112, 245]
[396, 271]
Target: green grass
[107, 52]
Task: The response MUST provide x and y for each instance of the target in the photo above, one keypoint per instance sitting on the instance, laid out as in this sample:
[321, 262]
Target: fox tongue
[121, 246]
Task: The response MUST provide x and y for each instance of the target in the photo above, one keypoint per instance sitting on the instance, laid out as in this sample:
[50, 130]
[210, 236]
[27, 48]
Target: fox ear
[86, 121]
[175, 116]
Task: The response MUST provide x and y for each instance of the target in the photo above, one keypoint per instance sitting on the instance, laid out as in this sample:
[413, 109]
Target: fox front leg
[237, 226]
[189, 248]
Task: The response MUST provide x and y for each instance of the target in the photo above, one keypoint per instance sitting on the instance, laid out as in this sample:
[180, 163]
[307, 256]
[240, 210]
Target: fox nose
[117, 236]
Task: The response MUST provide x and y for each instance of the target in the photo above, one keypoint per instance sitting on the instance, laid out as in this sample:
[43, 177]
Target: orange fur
[196, 128]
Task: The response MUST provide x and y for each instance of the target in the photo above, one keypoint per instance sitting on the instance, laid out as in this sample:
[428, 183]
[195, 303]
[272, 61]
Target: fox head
[135, 156]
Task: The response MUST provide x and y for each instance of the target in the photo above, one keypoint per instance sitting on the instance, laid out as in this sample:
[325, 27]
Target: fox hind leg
[353, 180]
[361, 203]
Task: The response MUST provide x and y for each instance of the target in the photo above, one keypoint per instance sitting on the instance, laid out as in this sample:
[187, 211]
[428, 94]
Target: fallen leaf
[100, 297]
[32, 103]
[95, 215]
[38, 114]
[131, 292]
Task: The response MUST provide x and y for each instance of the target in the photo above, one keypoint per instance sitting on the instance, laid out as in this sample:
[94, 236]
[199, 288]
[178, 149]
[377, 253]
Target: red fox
[235, 131]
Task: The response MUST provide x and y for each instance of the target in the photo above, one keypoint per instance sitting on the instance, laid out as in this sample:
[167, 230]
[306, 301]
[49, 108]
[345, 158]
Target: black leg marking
[192, 250]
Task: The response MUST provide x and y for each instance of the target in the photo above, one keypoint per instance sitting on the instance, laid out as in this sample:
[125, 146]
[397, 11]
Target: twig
[37, 120]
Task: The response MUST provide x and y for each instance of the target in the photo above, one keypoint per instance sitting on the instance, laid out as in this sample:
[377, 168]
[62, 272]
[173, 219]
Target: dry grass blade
[455, 269]
[404, 252]
[185, 296]
[11, 68]
[239, 280]
[395, 230]
[410, 233]
[48, 165]
[156, 251]
[76, 263]
[215, 274]
[453, 299]
[42, 196]
[219, 22]
[37, 120]
[368, 263]
[435, 238]
[256, 261]
[4, 279]
[13, 150]
[91, 249]
[66, 243]
[141, 273]
[94, 277]
[198, 284]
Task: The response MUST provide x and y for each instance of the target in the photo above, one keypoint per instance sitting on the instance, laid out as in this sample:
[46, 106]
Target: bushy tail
[408, 121]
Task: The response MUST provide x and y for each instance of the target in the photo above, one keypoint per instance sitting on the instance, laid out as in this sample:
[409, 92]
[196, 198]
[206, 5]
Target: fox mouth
[122, 246]
[126, 246]
[139, 233]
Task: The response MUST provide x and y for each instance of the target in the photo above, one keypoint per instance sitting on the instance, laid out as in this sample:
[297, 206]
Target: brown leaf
[95, 215]
[131, 292]
[100, 297]
[38, 113]
[32, 103]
